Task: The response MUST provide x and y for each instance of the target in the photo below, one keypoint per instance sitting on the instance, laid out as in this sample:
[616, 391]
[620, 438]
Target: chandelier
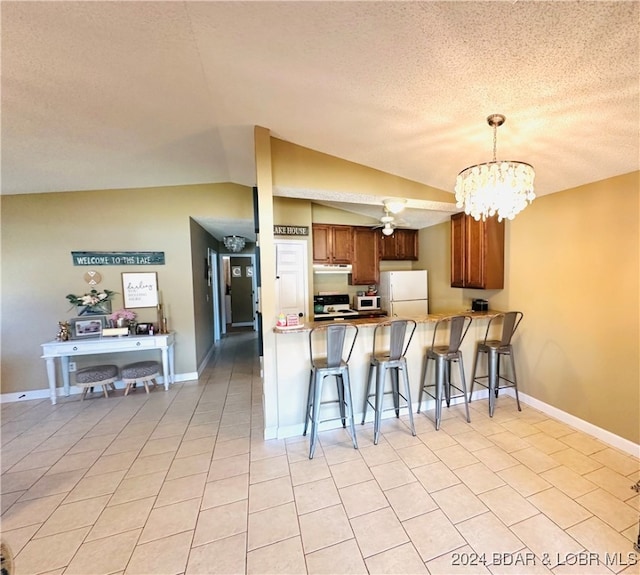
[234, 244]
[495, 188]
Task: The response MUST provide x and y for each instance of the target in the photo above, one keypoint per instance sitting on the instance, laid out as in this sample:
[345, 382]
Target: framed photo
[140, 289]
[87, 326]
[143, 328]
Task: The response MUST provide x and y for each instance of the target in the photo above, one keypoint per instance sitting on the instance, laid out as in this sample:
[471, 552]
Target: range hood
[332, 268]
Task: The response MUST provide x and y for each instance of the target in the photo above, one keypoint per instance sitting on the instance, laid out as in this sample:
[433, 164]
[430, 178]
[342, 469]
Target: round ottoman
[143, 372]
[98, 375]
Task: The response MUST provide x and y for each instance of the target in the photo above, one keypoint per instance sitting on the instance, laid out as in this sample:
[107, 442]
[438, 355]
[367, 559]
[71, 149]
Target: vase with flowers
[93, 303]
[124, 318]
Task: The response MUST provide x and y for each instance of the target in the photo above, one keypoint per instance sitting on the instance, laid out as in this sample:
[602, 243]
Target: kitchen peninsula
[293, 364]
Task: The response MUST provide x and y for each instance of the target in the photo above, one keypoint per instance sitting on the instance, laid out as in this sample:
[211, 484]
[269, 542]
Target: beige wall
[39, 231]
[572, 268]
[298, 167]
[203, 326]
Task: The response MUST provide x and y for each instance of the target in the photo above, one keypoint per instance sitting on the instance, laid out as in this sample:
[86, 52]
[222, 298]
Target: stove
[333, 307]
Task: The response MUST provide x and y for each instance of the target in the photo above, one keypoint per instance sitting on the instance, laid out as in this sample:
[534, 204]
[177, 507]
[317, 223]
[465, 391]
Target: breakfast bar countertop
[373, 321]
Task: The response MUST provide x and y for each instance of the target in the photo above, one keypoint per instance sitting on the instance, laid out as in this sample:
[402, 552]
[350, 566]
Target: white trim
[580, 424]
[73, 390]
[205, 361]
[602, 434]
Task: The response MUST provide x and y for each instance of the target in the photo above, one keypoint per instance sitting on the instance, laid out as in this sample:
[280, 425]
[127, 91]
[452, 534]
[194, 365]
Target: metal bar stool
[443, 355]
[495, 349]
[334, 363]
[399, 331]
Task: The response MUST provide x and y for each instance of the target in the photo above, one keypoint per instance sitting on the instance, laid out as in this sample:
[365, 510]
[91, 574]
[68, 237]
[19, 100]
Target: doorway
[238, 288]
[213, 280]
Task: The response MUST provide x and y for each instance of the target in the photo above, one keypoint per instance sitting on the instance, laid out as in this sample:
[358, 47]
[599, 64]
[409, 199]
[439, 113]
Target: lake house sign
[291, 230]
[117, 258]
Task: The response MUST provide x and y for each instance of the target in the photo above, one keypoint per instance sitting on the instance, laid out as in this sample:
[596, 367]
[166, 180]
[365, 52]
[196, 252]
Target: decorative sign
[92, 277]
[236, 271]
[140, 289]
[291, 230]
[117, 258]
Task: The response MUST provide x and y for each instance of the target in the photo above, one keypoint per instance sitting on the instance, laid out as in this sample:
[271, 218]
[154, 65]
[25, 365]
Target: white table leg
[51, 376]
[64, 360]
[165, 368]
[172, 369]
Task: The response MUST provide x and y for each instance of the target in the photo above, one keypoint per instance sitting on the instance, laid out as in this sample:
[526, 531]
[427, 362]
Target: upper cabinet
[402, 245]
[365, 269]
[332, 244]
[477, 252]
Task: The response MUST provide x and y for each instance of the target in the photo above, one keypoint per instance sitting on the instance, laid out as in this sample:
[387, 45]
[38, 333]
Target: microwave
[366, 302]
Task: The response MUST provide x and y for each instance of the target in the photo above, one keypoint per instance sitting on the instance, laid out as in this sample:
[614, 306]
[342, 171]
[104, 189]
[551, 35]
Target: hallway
[182, 482]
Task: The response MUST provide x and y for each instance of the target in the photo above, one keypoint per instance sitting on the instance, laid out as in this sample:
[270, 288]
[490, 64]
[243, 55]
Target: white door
[411, 309]
[291, 277]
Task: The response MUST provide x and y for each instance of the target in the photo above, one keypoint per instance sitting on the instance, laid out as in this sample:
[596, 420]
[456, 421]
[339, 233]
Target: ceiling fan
[388, 222]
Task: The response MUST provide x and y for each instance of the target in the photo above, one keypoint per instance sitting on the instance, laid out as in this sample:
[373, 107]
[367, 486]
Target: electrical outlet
[72, 366]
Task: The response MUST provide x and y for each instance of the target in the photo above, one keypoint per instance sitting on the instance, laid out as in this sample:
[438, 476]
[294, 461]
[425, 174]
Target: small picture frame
[143, 328]
[88, 326]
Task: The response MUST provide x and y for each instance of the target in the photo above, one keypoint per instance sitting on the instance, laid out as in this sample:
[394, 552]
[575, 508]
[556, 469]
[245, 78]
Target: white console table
[66, 349]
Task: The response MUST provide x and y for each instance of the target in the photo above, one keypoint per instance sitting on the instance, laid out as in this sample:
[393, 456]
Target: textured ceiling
[99, 95]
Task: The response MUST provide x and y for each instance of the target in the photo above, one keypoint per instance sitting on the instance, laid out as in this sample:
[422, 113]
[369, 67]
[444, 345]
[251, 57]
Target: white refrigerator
[404, 293]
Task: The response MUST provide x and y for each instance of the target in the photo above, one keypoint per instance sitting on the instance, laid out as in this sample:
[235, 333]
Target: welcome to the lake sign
[117, 258]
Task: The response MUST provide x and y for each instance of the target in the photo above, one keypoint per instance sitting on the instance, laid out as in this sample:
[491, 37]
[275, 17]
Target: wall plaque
[291, 230]
[117, 258]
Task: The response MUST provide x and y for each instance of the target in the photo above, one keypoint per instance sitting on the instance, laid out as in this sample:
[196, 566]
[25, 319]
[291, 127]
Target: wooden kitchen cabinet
[332, 244]
[366, 263]
[477, 252]
[402, 245]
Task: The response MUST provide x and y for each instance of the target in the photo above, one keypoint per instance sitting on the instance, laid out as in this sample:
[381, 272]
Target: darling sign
[140, 289]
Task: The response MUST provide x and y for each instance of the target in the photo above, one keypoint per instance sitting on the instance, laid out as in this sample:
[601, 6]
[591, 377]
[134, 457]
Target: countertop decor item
[124, 318]
[93, 303]
[123, 314]
[501, 188]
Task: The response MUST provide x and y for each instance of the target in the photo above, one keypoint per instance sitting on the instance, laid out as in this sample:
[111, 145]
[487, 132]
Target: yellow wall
[298, 167]
[572, 268]
[203, 325]
[39, 231]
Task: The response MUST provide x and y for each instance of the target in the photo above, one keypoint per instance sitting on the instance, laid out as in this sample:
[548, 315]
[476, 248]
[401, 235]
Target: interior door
[242, 306]
[291, 277]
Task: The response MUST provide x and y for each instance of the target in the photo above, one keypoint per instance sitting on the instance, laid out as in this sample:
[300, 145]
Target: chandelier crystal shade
[234, 244]
[502, 188]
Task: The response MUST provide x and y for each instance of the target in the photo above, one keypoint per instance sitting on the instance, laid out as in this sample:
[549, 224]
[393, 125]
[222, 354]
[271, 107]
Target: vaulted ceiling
[101, 95]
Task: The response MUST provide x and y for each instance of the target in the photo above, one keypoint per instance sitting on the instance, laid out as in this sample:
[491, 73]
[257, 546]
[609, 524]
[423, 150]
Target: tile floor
[182, 482]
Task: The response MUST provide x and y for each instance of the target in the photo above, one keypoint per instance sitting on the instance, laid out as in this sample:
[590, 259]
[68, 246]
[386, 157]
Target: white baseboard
[73, 390]
[602, 434]
[205, 361]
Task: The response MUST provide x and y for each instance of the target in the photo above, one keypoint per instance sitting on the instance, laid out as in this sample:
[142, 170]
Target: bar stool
[143, 372]
[399, 331]
[332, 362]
[98, 375]
[443, 355]
[495, 349]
